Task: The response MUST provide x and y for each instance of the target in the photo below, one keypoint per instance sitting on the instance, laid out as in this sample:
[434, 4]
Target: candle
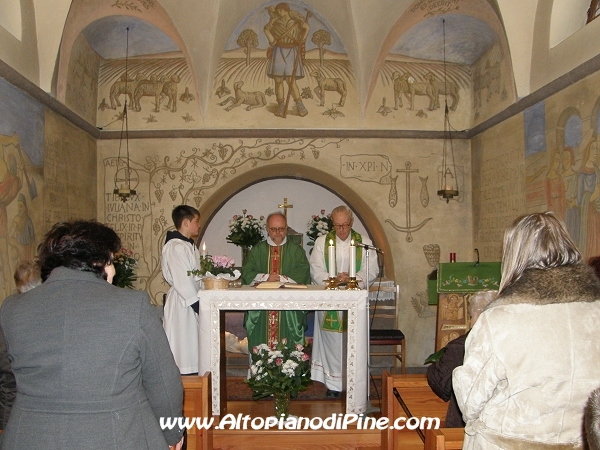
[352, 270]
[331, 256]
[204, 249]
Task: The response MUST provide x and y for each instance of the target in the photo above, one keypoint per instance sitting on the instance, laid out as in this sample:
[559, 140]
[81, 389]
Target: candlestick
[331, 256]
[352, 269]
[204, 249]
[353, 284]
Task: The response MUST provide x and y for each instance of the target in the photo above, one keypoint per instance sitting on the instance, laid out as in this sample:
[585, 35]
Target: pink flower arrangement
[223, 262]
[215, 265]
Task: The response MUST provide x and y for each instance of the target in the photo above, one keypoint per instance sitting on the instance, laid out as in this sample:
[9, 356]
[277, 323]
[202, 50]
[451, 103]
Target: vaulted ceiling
[534, 39]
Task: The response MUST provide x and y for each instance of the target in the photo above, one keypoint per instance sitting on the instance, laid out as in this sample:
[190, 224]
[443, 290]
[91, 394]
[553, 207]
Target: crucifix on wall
[285, 205]
[292, 234]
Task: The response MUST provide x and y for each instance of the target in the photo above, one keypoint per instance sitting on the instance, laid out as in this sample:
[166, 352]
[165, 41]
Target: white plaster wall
[262, 199]
[549, 63]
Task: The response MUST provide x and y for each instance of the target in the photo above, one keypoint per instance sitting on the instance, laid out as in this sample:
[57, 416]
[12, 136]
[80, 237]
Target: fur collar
[566, 284]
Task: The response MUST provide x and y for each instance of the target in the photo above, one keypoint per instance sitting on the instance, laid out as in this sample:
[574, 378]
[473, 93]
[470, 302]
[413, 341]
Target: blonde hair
[27, 275]
[536, 241]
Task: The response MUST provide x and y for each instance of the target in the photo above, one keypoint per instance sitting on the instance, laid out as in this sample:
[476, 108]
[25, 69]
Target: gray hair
[536, 241]
[343, 209]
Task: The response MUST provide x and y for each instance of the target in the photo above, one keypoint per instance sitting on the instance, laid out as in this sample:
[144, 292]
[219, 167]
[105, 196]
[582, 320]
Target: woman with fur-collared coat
[533, 357]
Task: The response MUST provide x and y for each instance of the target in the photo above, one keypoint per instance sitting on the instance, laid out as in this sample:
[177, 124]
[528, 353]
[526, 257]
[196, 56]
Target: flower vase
[245, 253]
[282, 404]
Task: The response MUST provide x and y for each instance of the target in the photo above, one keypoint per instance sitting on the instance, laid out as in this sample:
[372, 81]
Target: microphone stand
[370, 407]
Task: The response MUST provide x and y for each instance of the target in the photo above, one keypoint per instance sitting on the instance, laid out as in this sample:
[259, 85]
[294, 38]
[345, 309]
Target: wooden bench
[196, 403]
[444, 439]
[408, 395]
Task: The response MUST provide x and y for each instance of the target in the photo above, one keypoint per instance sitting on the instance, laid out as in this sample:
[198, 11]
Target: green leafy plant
[246, 230]
[125, 265]
[278, 370]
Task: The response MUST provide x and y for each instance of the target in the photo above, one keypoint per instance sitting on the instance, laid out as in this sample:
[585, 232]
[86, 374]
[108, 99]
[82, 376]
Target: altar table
[316, 298]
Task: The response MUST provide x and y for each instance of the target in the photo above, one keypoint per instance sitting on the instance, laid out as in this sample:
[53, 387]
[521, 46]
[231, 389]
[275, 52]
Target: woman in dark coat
[439, 373]
[91, 360]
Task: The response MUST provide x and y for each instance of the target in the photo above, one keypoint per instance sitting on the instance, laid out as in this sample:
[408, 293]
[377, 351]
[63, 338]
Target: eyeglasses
[341, 226]
[278, 230]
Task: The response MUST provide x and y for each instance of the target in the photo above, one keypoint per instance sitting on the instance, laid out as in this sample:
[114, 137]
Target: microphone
[368, 247]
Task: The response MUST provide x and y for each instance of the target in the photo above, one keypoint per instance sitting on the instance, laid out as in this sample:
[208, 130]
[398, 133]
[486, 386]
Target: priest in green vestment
[276, 259]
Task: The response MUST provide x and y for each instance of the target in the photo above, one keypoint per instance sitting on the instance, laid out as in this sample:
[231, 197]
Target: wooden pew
[444, 439]
[419, 400]
[196, 403]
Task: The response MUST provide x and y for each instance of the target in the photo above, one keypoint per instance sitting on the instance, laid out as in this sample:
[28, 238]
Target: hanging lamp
[448, 181]
[123, 175]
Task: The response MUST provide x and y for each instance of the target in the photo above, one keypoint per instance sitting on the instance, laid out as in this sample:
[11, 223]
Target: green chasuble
[263, 326]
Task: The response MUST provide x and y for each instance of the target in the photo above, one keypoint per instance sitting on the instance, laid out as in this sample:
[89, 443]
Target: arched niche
[300, 172]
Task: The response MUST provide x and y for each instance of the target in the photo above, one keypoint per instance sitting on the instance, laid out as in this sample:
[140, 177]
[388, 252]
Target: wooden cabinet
[456, 282]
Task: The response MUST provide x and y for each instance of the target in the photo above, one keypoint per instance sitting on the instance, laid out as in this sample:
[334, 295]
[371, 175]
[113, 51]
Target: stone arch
[561, 123]
[304, 173]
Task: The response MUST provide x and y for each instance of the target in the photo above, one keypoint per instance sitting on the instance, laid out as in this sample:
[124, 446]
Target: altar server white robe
[328, 346]
[180, 320]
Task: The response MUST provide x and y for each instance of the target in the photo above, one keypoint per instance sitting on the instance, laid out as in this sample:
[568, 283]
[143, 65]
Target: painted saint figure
[10, 185]
[555, 189]
[590, 216]
[287, 32]
[569, 177]
[22, 232]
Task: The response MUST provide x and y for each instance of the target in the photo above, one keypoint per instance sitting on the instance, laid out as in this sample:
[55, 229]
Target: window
[594, 10]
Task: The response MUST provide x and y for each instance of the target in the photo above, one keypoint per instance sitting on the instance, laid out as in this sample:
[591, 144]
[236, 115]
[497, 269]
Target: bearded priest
[275, 259]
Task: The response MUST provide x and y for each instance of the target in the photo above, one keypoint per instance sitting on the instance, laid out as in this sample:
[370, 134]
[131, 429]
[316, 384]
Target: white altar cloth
[316, 298]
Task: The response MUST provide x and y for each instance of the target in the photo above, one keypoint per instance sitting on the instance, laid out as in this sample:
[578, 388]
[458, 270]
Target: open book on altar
[279, 284]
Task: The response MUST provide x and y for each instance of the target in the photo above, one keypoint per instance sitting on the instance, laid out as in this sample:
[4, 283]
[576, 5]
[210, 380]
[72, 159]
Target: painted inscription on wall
[130, 219]
[501, 199]
[370, 168]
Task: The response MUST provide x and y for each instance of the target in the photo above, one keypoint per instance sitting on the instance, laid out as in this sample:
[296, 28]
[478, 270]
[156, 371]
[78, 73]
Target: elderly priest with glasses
[330, 326]
[279, 260]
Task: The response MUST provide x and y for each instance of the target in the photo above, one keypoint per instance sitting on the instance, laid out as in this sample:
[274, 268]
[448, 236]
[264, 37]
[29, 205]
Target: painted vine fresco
[185, 178]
